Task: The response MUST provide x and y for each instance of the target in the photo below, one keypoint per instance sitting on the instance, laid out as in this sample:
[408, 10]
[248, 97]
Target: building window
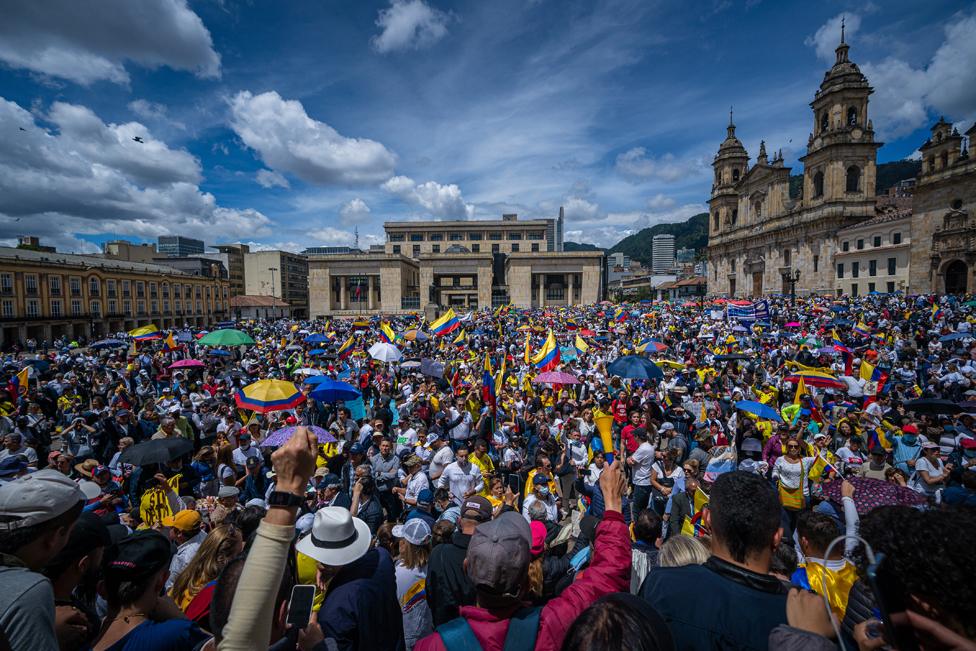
[735, 215]
[456, 237]
[198, 292]
[165, 290]
[7, 283]
[416, 237]
[896, 238]
[854, 289]
[846, 246]
[141, 307]
[94, 287]
[824, 121]
[476, 248]
[853, 178]
[396, 237]
[110, 287]
[112, 306]
[54, 285]
[855, 269]
[891, 286]
[140, 289]
[877, 240]
[127, 308]
[515, 248]
[758, 209]
[840, 269]
[494, 236]
[515, 236]
[474, 237]
[535, 248]
[715, 221]
[732, 265]
[818, 184]
[860, 245]
[787, 255]
[436, 248]
[33, 307]
[177, 305]
[94, 308]
[199, 307]
[892, 266]
[56, 309]
[872, 267]
[7, 308]
[495, 248]
[851, 116]
[416, 250]
[75, 307]
[735, 174]
[871, 287]
[816, 263]
[126, 291]
[30, 283]
[154, 306]
[437, 237]
[396, 249]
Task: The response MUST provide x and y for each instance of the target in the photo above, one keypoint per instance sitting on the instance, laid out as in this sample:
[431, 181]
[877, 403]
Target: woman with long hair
[193, 588]
[226, 473]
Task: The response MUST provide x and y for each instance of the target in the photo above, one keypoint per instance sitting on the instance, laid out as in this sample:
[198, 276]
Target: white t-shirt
[406, 439]
[935, 472]
[416, 484]
[411, 593]
[643, 458]
[441, 459]
[460, 480]
[241, 456]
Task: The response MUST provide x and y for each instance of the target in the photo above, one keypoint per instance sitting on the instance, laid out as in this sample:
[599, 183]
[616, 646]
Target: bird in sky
[138, 138]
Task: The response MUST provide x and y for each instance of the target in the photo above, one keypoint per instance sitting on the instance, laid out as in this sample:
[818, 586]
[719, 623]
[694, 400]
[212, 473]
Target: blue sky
[290, 124]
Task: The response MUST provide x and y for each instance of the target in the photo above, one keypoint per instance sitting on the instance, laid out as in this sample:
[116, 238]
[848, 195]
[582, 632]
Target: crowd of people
[784, 475]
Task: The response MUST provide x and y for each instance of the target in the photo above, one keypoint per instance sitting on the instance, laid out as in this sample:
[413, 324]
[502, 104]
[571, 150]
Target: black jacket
[448, 587]
[682, 505]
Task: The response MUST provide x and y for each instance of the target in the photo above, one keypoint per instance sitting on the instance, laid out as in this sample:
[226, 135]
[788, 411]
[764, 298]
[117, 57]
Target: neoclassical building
[759, 231]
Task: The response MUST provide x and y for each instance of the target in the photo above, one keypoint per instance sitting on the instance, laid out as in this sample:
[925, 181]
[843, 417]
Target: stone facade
[758, 233]
[875, 256]
[363, 283]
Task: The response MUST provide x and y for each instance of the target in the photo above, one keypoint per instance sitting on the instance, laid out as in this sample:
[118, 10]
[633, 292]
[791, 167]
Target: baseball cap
[433, 436]
[228, 491]
[928, 445]
[355, 448]
[499, 554]
[13, 465]
[36, 498]
[910, 429]
[321, 471]
[415, 532]
[878, 450]
[968, 443]
[329, 480]
[538, 538]
[477, 508]
[252, 462]
[425, 497]
[412, 460]
[136, 556]
[185, 520]
[539, 479]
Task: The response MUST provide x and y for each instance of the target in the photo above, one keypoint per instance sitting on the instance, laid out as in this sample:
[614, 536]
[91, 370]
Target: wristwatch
[281, 498]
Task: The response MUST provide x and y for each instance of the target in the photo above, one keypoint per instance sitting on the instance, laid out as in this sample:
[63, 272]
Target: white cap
[36, 498]
[415, 531]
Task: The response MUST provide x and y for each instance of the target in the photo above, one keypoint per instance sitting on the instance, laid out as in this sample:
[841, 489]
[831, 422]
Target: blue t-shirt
[171, 635]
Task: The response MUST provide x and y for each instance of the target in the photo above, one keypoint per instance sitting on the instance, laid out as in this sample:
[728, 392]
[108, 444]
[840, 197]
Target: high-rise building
[278, 274]
[662, 253]
[177, 246]
[232, 255]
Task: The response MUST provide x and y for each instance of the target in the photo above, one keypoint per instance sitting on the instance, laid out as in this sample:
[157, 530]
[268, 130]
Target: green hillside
[580, 246]
[692, 234]
[888, 175]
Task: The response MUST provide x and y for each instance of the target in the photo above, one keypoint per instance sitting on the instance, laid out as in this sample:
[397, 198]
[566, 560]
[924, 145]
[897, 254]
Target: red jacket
[609, 571]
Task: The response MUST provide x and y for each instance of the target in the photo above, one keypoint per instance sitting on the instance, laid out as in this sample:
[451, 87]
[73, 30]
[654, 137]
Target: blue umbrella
[635, 367]
[759, 409]
[334, 391]
[318, 351]
[952, 336]
[317, 379]
[108, 343]
[317, 338]
[842, 322]
[838, 308]
[219, 353]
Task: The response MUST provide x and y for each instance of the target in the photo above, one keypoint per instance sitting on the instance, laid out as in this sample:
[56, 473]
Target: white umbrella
[384, 352]
[308, 371]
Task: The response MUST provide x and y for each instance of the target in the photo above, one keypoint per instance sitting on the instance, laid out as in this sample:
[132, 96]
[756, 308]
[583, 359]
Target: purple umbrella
[869, 494]
[555, 377]
[279, 437]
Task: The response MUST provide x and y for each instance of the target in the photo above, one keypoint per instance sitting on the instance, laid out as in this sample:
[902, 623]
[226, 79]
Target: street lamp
[792, 277]
[274, 291]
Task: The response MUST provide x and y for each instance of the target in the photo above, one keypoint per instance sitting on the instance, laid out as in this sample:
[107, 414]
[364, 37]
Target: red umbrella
[586, 332]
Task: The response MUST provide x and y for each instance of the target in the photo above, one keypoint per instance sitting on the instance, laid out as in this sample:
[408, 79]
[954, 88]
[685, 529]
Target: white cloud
[154, 112]
[74, 41]
[660, 202]
[827, 38]
[89, 177]
[354, 211]
[409, 25]
[270, 179]
[288, 140]
[441, 201]
[579, 209]
[636, 166]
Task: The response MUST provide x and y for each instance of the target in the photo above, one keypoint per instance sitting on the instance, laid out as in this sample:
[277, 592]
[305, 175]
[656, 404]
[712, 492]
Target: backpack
[523, 628]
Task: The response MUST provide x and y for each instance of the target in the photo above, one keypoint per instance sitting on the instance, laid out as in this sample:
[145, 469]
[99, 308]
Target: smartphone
[300, 605]
[891, 597]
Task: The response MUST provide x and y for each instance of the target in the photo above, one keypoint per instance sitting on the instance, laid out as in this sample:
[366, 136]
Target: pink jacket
[609, 571]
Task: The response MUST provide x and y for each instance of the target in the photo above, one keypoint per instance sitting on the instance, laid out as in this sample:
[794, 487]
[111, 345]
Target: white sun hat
[336, 538]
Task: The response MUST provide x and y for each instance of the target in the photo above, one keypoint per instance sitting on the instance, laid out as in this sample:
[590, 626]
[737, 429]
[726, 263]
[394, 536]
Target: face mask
[969, 454]
[909, 439]
[544, 491]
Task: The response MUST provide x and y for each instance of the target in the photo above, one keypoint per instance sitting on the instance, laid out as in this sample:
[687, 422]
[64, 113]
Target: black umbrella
[732, 357]
[155, 451]
[932, 406]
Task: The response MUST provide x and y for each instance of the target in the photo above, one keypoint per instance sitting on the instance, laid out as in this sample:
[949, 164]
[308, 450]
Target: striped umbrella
[816, 379]
[269, 395]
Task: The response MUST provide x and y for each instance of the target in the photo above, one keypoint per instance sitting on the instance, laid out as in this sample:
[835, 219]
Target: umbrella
[731, 358]
[279, 437]
[269, 395]
[932, 406]
[415, 335]
[869, 494]
[555, 377]
[317, 379]
[335, 391]
[317, 338]
[384, 352]
[842, 322]
[107, 343]
[219, 353]
[410, 363]
[586, 332]
[156, 451]
[952, 336]
[229, 337]
[815, 379]
[187, 363]
[635, 367]
[293, 347]
[669, 363]
[759, 409]
[432, 368]
[739, 328]
[318, 351]
[793, 324]
[308, 371]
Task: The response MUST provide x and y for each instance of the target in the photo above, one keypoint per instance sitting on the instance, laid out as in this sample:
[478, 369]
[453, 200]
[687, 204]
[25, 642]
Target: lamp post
[274, 291]
[792, 277]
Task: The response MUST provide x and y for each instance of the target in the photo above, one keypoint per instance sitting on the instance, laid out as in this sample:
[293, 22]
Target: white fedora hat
[336, 538]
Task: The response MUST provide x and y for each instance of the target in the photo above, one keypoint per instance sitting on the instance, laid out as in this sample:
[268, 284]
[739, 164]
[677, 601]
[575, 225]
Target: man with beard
[74, 575]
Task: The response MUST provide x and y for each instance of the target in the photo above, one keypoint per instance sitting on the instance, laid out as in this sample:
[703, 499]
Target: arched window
[818, 184]
[824, 121]
[758, 208]
[853, 178]
[735, 174]
[945, 159]
[735, 215]
[852, 116]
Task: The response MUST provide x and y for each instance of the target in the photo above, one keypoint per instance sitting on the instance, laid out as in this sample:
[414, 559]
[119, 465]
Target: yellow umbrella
[669, 363]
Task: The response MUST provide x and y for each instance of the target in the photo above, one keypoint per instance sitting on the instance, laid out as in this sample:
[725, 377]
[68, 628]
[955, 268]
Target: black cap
[88, 534]
[136, 556]
[252, 462]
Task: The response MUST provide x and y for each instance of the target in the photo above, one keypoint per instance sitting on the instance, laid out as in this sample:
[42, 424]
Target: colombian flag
[345, 350]
[572, 325]
[548, 357]
[146, 333]
[821, 467]
[488, 384]
[18, 383]
[862, 329]
[461, 338]
[170, 344]
[447, 323]
[620, 314]
[580, 345]
[936, 311]
[386, 333]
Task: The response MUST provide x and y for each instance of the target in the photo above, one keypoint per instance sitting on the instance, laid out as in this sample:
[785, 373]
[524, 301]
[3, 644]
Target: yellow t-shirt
[307, 569]
[487, 468]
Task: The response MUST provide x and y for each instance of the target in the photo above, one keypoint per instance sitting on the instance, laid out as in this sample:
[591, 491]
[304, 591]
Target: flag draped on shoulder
[547, 358]
[446, 324]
